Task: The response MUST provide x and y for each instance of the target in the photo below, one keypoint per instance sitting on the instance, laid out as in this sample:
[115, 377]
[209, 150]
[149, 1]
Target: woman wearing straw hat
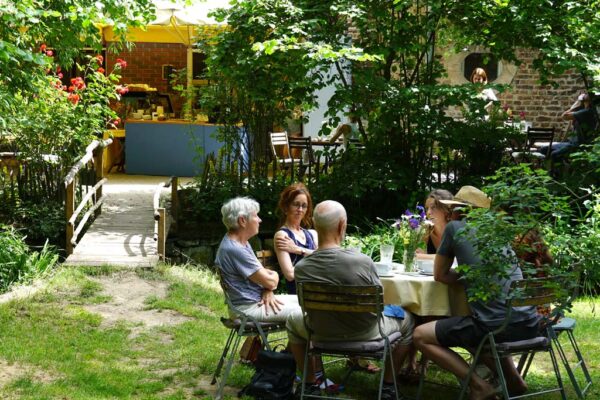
[434, 339]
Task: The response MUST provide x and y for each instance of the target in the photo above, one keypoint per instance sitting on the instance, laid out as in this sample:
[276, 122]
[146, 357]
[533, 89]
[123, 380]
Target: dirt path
[128, 294]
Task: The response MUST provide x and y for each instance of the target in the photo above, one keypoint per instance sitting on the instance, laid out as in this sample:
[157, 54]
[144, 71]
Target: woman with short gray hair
[238, 207]
[250, 285]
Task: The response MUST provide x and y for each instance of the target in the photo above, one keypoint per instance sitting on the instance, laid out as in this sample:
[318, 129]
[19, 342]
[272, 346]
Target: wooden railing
[28, 179]
[92, 152]
[160, 214]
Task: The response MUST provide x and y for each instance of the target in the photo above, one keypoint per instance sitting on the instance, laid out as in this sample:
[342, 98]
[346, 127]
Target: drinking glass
[386, 253]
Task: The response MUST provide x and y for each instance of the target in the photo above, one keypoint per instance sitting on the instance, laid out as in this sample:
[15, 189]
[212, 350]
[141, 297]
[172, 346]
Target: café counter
[169, 147]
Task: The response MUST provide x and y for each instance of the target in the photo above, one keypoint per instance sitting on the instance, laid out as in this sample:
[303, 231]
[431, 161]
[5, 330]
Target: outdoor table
[423, 296]
[326, 143]
[325, 155]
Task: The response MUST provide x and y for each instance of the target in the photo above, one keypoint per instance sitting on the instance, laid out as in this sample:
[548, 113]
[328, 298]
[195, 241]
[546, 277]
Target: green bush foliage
[18, 263]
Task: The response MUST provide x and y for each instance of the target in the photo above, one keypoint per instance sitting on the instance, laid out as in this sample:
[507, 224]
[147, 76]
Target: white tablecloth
[421, 295]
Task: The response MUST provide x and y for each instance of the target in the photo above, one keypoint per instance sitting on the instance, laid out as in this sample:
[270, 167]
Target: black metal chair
[536, 139]
[321, 297]
[241, 326]
[565, 326]
[526, 292]
[539, 137]
[307, 160]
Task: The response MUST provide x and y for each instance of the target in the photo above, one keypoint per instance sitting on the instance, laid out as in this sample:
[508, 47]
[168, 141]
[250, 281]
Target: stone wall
[543, 105]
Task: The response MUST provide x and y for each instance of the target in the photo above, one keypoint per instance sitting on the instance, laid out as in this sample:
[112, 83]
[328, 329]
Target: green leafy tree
[383, 59]
[64, 27]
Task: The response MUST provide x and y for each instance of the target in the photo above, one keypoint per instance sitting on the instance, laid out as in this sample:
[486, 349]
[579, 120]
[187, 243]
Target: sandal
[361, 364]
[409, 375]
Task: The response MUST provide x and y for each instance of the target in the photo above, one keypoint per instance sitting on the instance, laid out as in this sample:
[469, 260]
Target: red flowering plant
[63, 119]
[511, 115]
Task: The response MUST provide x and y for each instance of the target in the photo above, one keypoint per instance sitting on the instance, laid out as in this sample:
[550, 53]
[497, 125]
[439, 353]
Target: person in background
[479, 77]
[439, 214]
[334, 265]
[294, 240]
[251, 286]
[348, 131]
[584, 121]
[435, 339]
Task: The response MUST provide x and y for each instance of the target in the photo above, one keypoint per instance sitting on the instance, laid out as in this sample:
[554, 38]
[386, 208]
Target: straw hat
[469, 196]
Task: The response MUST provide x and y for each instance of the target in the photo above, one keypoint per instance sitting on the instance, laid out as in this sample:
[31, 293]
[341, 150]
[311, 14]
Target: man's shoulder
[453, 226]
[334, 256]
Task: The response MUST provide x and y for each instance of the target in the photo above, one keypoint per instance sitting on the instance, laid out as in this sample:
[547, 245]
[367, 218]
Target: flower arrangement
[412, 227]
[510, 114]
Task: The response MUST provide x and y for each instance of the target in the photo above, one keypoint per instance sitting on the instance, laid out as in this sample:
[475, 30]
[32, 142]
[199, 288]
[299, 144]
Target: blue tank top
[309, 245]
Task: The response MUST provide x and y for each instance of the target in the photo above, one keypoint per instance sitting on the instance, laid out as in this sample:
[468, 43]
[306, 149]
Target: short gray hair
[238, 207]
[328, 214]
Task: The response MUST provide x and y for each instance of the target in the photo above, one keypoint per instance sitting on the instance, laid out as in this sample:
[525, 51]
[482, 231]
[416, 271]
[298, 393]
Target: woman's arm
[283, 247]
[266, 278]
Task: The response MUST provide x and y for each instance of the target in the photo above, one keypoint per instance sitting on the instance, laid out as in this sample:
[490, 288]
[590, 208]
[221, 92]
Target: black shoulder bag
[274, 377]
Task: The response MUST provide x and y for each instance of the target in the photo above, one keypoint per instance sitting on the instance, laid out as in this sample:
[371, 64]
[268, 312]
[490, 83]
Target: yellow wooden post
[161, 233]
[69, 208]
[174, 202]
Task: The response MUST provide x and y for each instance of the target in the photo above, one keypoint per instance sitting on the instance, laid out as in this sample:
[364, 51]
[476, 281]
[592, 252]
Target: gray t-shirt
[238, 262]
[493, 312]
[344, 267]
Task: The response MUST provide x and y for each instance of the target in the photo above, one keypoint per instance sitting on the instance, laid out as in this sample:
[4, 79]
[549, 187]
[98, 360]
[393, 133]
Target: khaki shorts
[297, 332]
[258, 312]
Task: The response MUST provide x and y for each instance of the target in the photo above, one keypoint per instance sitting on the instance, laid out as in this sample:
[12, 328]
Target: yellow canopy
[175, 22]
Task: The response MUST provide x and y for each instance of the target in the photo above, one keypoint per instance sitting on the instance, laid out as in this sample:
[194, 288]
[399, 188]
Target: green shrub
[39, 221]
[18, 264]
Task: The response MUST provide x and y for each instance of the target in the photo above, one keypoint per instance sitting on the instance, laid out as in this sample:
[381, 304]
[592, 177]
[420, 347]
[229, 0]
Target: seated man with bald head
[334, 265]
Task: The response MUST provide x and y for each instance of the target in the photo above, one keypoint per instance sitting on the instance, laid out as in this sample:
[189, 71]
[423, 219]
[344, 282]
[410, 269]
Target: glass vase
[408, 259]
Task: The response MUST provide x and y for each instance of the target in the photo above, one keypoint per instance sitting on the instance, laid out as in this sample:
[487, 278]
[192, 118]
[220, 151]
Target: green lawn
[53, 348]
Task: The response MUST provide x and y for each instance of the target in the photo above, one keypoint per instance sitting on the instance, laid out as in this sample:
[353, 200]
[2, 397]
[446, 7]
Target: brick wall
[144, 65]
[543, 105]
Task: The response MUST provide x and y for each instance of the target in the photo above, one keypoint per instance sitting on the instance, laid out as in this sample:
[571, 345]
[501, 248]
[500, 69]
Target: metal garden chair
[321, 297]
[526, 292]
[240, 326]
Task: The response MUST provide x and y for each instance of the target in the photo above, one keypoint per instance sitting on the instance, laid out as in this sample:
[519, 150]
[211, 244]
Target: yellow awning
[175, 22]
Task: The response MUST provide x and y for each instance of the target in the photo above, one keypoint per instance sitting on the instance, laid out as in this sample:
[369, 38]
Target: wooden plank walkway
[123, 234]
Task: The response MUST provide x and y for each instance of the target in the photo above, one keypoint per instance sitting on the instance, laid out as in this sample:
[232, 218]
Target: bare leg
[297, 350]
[400, 353]
[514, 381]
[426, 341]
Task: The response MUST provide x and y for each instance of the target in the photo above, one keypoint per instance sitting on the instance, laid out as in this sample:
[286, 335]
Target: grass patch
[53, 335]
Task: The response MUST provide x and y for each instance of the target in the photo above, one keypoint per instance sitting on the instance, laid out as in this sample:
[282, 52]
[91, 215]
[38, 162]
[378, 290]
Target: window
[481, 60]
[198, 66]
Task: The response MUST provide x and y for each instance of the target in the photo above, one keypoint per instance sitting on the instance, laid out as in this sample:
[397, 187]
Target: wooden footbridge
[129, 228]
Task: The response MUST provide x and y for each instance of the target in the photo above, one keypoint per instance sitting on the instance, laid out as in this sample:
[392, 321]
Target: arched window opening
[481, 60]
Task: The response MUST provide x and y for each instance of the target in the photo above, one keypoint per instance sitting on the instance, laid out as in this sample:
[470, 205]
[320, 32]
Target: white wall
[316, 117]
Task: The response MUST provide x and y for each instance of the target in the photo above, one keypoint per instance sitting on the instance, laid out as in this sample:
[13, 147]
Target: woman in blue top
[293, 240]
